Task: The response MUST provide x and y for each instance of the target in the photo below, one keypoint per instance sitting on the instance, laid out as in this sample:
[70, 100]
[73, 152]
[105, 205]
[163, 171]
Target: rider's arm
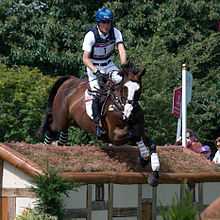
[87, 61]
[122, 53]
[88, 43]
[120, 46]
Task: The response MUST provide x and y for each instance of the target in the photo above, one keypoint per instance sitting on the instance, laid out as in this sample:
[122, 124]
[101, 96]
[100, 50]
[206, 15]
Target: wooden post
[200, 196]
[4, 208]
[182, 191]
[12, 208]
[139, 209]
[147, 209]
[99, 192]
[154, 203]
[89, 202]
[110, 201]
[184, 106]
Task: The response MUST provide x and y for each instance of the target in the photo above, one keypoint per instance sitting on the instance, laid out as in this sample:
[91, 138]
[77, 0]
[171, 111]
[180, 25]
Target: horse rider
[98, 47]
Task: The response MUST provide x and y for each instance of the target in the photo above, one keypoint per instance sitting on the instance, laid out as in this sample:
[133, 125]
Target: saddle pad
[88, 102]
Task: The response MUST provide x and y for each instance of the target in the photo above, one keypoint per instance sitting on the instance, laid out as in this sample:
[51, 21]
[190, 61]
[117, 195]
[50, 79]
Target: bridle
[118, 101]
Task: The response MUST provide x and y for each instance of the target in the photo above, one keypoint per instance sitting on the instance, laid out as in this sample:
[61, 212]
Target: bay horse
[66, 107]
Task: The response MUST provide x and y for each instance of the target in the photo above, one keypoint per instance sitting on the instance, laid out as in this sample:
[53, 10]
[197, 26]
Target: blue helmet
[205, 148]
[103, 14]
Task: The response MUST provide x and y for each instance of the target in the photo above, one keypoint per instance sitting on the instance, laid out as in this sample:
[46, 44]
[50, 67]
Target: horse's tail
[47, 120]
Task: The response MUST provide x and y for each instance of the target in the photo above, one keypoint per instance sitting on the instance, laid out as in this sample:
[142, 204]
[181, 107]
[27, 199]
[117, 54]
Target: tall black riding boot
[96, 109]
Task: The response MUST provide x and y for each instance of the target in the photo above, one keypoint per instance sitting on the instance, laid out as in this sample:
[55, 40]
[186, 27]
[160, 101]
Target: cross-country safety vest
[103, 48]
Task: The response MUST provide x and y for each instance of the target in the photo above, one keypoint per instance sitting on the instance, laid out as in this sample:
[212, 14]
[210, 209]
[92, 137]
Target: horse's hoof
[153, 179]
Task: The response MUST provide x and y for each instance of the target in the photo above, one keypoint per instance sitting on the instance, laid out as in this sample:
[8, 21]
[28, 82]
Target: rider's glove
[99, 73]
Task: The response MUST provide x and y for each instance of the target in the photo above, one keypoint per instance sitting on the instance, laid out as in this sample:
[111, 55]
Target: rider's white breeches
[110, 68]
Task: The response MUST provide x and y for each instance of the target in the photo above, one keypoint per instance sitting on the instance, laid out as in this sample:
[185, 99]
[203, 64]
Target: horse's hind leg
[63, 137]
[49, 137]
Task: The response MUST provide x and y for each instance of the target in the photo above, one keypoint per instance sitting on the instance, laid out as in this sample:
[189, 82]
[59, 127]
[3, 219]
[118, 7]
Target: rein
[107, 91]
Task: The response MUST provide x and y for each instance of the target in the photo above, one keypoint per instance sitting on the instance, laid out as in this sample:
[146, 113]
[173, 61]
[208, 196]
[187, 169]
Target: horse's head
[131, 87]
[122, 102]
[130, 72]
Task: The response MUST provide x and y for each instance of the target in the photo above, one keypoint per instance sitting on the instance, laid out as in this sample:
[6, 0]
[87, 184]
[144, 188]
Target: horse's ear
[142, 72]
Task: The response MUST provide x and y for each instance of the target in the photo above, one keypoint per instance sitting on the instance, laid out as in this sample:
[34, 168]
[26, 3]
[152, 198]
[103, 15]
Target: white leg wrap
[155, 163]
[144, 151]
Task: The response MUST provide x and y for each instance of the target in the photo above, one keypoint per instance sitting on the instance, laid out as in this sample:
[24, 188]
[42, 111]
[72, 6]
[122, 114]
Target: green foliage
[77, 136]
[32, 214]
[187, 21]
[23, 96]
[44, 34]
[204, 110]
[183, 209]
[49, 189]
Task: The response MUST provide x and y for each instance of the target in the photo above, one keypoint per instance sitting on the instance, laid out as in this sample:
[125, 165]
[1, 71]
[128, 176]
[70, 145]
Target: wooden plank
[139, 213]
[124, 212]
[154, 203]
[4, 208]
[110, 201]
[99, 205]
[26, 165]
[200, 197]
[116, 212]
[75, 213]
[18, 192]
[139, 177]
[147, 209]
[89, 202]
[99, 192]
[182, 191]
[11, 208]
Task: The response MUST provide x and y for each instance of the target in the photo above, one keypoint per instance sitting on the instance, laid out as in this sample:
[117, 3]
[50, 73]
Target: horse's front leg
[153, 178]
[147, 148]
[148, 153]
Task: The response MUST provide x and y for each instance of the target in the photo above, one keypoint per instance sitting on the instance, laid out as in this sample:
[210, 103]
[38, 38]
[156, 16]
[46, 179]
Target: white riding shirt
[102, 55]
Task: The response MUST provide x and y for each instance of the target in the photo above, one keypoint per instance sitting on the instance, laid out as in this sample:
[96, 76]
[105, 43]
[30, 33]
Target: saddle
[107, 89]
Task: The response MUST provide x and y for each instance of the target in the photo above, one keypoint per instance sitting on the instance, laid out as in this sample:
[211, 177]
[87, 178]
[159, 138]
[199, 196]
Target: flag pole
[184, 105]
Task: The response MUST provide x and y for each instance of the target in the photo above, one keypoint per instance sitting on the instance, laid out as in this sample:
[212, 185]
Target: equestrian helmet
[104, 15]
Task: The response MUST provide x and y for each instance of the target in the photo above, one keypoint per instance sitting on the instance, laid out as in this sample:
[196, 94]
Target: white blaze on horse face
[132, 88]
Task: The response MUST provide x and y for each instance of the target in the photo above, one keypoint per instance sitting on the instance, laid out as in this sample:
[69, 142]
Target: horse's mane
[129, 68]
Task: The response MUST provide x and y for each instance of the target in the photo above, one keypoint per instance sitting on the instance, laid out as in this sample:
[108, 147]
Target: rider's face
[105, 27]
[218, 143]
